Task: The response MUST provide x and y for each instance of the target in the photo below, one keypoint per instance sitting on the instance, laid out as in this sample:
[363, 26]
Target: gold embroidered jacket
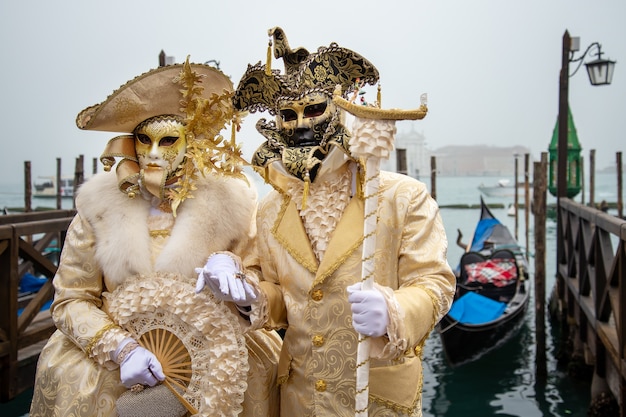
[309, 299]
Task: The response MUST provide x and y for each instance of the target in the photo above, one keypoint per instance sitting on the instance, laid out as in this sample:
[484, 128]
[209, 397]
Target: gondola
[492, 295]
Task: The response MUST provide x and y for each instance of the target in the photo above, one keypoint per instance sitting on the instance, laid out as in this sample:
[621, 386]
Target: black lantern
[600, 71]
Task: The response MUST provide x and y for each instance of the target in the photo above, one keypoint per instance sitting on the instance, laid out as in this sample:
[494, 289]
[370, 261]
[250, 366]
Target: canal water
[500, 383]
[503, 382]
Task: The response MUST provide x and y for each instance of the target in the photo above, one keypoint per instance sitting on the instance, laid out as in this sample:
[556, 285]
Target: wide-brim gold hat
[153, 93]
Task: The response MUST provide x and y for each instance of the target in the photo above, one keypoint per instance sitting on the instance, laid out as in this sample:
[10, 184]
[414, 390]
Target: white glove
[222, 275]
[139, 366]
[369, 311]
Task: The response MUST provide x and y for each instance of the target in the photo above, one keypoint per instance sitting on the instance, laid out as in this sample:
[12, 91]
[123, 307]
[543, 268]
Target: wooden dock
[24, 239]
[591, 292]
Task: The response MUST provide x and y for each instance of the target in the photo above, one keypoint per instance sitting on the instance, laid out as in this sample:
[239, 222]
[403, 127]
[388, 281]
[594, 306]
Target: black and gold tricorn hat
[261, 87]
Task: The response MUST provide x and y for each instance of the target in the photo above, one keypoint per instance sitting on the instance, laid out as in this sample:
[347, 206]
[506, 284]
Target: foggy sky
[490, 67]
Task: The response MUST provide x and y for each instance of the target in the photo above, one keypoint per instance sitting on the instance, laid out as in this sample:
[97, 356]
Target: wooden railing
[26, 241]
[591, 283]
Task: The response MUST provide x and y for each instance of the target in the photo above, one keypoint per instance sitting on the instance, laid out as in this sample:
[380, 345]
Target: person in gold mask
[310, 240]
[178, 195]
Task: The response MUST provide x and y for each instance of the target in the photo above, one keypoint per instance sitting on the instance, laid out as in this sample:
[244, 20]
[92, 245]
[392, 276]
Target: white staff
[372, 140]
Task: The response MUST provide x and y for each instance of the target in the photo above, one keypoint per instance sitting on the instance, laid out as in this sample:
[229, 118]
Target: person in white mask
[177, 196]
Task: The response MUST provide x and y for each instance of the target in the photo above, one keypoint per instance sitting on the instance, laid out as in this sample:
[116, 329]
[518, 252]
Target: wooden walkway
[24, 241]
[591, 288]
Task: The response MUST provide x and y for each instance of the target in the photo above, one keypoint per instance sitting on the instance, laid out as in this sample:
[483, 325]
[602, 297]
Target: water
[500, 383]
[12, 197]
[503, 381]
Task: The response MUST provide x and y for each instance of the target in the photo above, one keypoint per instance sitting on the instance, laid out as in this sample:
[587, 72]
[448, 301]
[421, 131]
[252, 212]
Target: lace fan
[174, 358]
[196, 338]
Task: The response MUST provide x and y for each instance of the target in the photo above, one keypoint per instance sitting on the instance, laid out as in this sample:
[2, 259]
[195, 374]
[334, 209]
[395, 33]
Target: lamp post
[600, 72]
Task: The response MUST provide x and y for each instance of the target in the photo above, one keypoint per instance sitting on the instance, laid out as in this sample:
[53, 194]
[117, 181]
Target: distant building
[412, 157]
[480, 160]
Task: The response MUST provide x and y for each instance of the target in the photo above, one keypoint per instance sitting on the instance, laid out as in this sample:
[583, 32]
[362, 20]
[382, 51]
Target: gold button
[317, 295]
[320, 385]
[318, 340]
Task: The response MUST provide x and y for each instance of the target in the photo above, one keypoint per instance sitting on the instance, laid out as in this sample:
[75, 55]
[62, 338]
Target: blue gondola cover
[473, 308]
[31, 284]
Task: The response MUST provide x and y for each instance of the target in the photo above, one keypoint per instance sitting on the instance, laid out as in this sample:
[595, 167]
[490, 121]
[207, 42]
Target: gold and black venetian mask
[307, 121]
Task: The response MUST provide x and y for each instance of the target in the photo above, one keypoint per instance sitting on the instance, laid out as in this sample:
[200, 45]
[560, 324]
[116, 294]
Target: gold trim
[159, 233]
[406, 408]
[419, 347]
[322, 277]
[281, 380]
[96, 338]
[367, 112]
[397, 407]
[289, 231]
[346, 239]
[394, 406]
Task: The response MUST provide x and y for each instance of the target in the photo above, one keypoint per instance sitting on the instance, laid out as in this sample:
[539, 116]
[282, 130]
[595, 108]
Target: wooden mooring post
[539, 214]
[58, 180]
[592, 177]
[433, 177]
[620, 204]
[28, 190]
[527, 203]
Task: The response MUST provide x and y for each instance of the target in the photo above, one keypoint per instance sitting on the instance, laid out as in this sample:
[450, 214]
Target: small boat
[492, 295]
[510, 211]
[503, 188]
[46, 187]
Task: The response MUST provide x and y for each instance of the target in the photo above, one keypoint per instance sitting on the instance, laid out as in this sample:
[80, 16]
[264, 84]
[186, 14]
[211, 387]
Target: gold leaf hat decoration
[198, 94]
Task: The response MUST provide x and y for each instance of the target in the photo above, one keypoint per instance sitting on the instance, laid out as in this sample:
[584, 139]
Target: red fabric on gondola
[499, 272]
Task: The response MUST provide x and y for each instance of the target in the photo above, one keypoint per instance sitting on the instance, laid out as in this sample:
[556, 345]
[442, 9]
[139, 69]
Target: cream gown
[111, 237]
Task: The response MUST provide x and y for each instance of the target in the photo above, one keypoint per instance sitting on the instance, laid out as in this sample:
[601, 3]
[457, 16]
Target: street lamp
[600, 72]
